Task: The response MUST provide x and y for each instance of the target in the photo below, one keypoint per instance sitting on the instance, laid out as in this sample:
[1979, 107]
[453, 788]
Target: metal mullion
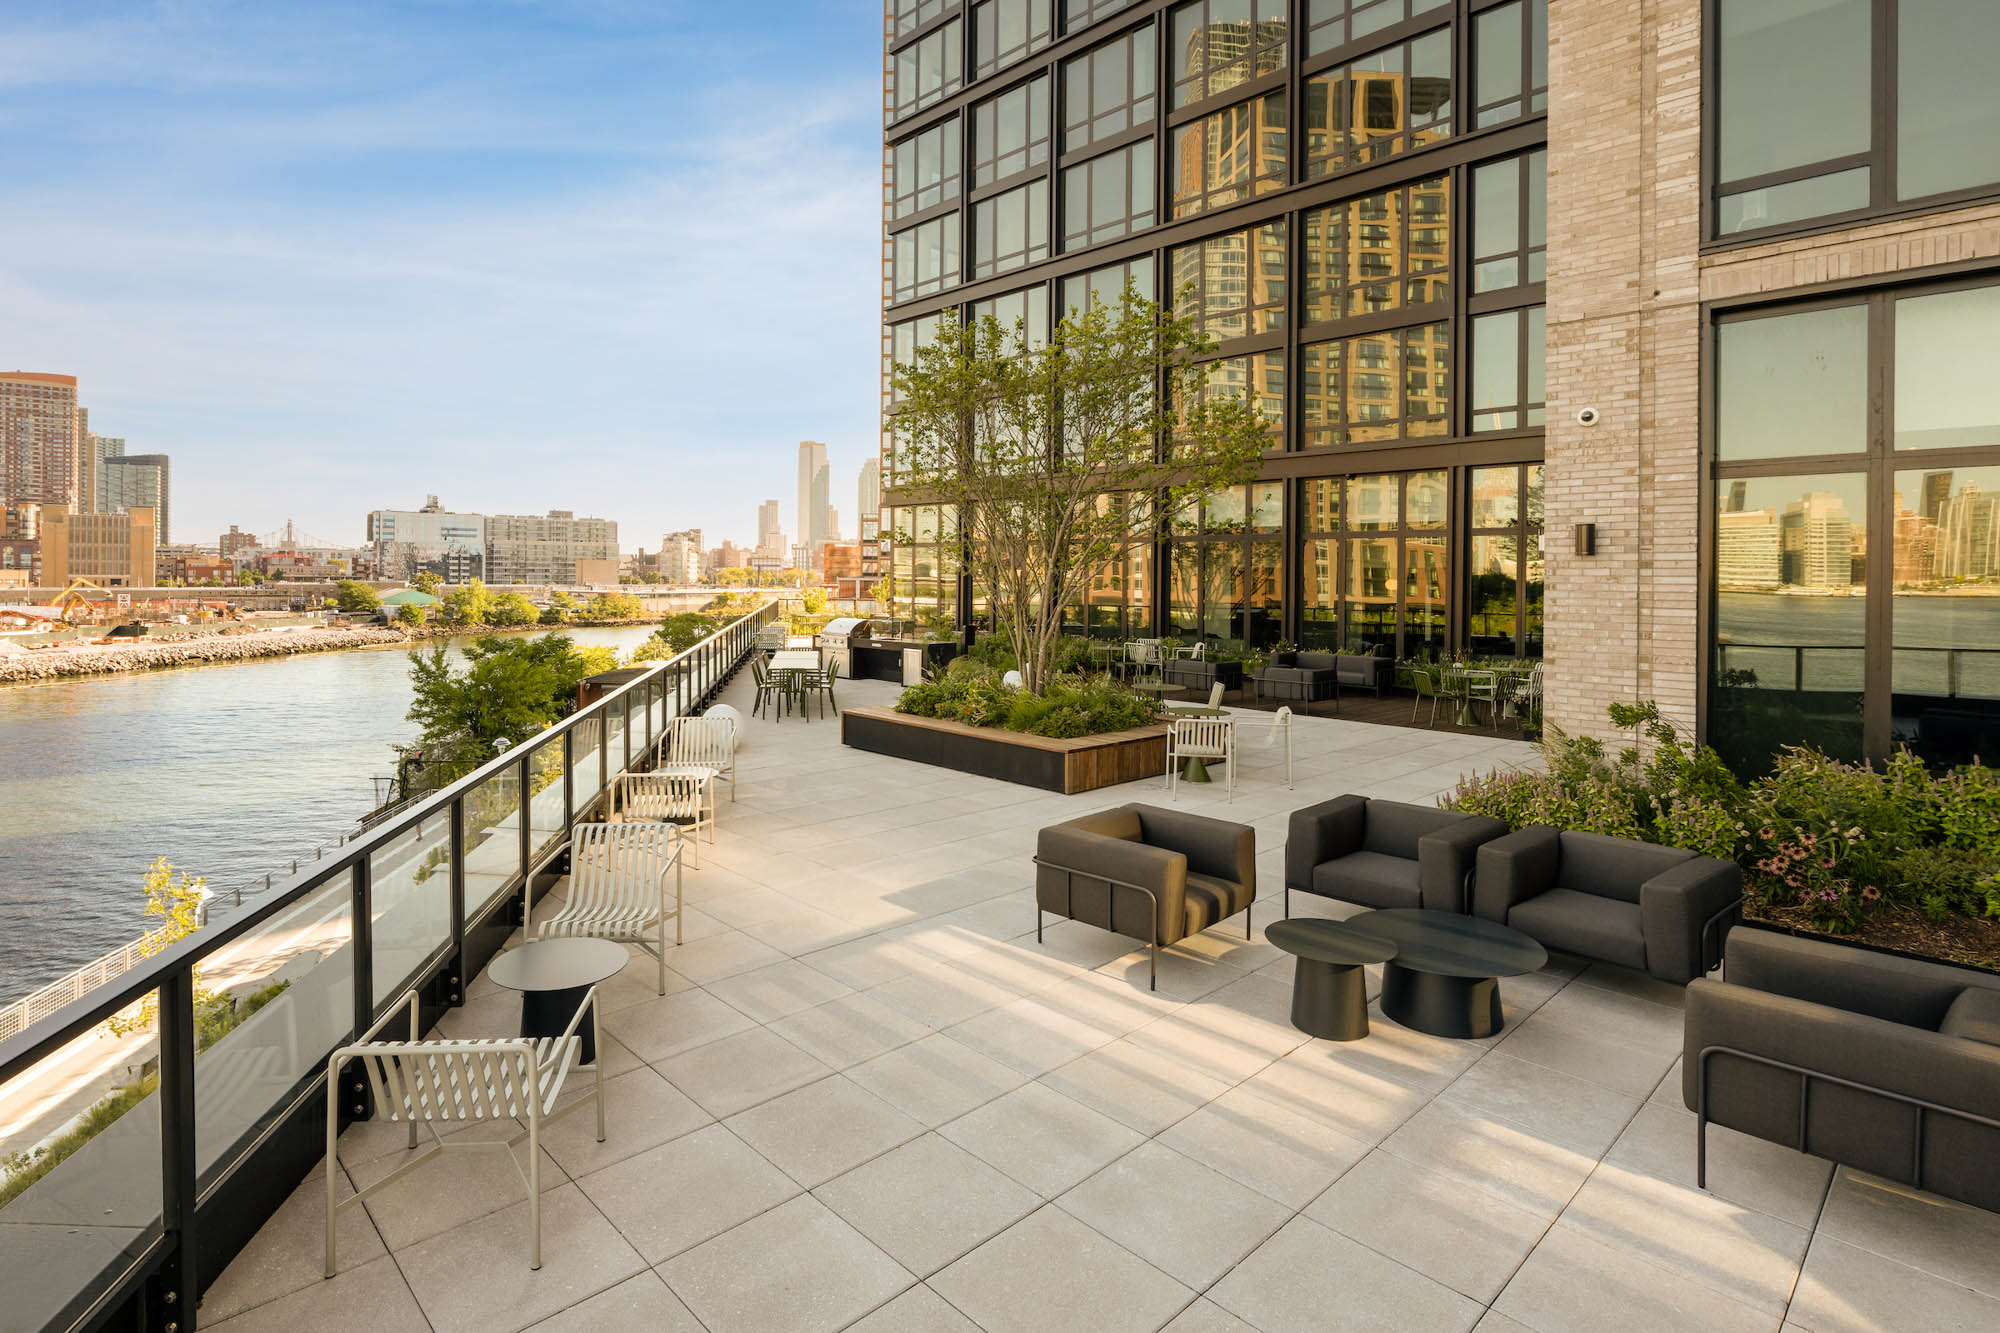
[1883, 113]
[1878, 570]
[525, 840]
[362, 933]
[1381, 39]
[1786, 175]
[456, 879]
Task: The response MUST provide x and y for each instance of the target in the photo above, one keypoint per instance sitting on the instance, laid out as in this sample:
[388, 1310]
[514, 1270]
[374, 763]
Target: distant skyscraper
[40, 451]
[128, 481]
[868, 491]
[813, 485]
[767, 523]
[682, 557]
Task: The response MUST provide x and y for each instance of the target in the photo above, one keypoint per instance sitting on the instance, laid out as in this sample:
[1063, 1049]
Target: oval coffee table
[553, 976]
[1329, 989]
[1444, 977]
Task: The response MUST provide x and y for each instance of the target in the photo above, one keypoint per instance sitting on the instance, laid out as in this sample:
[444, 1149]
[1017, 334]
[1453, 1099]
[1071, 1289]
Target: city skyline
[419, 239]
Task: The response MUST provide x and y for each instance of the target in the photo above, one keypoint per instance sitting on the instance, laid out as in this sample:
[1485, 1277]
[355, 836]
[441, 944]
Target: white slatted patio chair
[1201, 738]
[684, 799]
[458, 1083]
[618, 888]
[701, 742]
[1275, 726]
[1214, 700]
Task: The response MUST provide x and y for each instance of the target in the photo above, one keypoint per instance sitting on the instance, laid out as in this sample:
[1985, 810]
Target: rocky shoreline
[216, 649]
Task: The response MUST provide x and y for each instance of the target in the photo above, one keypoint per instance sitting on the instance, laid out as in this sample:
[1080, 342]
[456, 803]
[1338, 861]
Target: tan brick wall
[1625, 292]
[1624, 323]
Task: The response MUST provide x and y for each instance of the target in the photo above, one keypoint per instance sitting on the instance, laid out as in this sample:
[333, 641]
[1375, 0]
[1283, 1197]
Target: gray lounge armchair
[1155, 875]
[1660, 910]
[1890, 1065]
[1384, 853]
[1201, 676]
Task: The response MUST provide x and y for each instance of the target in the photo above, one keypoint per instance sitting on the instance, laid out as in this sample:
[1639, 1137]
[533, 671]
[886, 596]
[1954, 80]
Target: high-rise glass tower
[814, 479]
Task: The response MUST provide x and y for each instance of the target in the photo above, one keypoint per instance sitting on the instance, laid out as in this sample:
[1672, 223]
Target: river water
[227, 771]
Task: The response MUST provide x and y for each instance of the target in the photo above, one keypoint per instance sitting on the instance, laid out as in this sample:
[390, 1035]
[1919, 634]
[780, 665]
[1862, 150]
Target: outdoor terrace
[871, 1099]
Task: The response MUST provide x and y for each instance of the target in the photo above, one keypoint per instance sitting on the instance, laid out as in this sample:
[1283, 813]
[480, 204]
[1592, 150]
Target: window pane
[1109, 89]
[1378, 106]
[1495, 497]
[927, 69]
[1793, 82]
[1793, 384]
[1267, 506]
[1945, 673]
[1379, 252]
[1496, 370]
[1426, 500]
[1794, 201]
[1947, 394]
[1947, 121]
[1510, 76]
[1319, 595]
[1372, 502]
[1010, 133]
[1238, 281]
[1082, 290]
[1492, 583]
[1427, 574]
[1322, 504]
[1221, 44]
[1371, 594]
[1231, 156]
[1790, 616]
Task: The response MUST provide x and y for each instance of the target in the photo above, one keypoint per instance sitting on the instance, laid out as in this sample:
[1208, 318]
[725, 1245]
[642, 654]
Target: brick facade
[1626, 292]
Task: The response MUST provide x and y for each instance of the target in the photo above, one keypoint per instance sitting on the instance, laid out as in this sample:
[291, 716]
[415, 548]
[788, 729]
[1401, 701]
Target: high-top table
[1444, 979]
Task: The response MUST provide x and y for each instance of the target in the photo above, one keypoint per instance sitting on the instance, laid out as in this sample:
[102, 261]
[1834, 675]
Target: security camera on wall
[1586, 416]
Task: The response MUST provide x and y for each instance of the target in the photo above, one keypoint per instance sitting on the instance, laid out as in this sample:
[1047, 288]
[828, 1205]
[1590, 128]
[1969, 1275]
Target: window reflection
[1793, 384]
[1945, 614]
[1379, 106]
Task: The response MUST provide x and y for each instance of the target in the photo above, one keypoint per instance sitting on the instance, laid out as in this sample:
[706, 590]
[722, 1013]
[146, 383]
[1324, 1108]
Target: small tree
[560, 608]
[511, 608]
[176, 901]
[1057, 460]
[413, 613]
[425, 580]
[613, 606]
[467, 604]
[813, 601]
[356, 597]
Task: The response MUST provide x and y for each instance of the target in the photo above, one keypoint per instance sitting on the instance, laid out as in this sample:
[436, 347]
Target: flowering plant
[1809, 868]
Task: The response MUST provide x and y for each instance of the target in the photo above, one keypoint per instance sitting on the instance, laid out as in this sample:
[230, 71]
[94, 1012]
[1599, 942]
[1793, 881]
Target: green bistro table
[1197, 767]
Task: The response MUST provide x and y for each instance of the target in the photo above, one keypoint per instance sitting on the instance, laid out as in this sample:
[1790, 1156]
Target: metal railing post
[364, 947]
[569, 780]
[455, 980]
[176, 1283]
[527, 837]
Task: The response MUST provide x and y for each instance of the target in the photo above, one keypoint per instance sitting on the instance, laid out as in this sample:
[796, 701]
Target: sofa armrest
[1897, 990]
[1685, 912]
[1215, 847]
[1869, 1053]
[1515, 868]
[1132, 868]
[1319, 833]
[1445, 861]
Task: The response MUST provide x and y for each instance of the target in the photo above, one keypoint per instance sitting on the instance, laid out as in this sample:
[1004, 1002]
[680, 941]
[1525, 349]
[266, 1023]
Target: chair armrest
[1684, 912]
[1445, 860]
[1130, 867]
[1515, 868]
[1319, 833]
[1214, 847]
[1871, 1052]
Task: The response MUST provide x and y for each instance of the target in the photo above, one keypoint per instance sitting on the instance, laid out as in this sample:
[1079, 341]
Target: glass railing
[165, 1115]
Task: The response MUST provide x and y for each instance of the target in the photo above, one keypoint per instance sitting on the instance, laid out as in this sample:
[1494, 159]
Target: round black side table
[1444, 977]
[553, 977]
[1329, 989]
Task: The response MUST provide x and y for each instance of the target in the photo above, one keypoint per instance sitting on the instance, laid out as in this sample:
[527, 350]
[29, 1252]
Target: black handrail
[163, 1273]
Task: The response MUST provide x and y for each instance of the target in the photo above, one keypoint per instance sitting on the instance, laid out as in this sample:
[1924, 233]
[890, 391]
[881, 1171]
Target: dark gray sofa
[1365, 671]
[1300, 678]
[1384, 853]
[1661, 910]
[1200, 676]
[1155, 875]
[1887, 1064]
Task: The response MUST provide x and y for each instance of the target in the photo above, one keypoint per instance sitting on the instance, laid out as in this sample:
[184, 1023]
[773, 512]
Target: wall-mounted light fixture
[1586, 539]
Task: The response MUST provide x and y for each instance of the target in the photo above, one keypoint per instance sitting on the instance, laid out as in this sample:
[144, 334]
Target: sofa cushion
[1312, 661]
[1371, 879]
[1394, 828]
[1613, 867]
[1585, 924]
[1975, 1014]
[1210, 900]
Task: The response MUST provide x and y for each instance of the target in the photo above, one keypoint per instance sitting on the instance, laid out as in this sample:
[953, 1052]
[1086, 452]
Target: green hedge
[1074, 704]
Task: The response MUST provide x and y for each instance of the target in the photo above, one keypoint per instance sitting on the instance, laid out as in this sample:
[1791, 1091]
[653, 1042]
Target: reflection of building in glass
[1816, 542]
[1953, 536]
[1747, 549]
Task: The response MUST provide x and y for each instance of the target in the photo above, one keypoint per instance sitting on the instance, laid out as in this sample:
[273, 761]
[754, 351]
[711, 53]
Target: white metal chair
[430, 1083]
[684, 798]
[1214, 700]
[618, 888]
[1201, 738]
[701, 742]
[1275, 726]
[1145, 657]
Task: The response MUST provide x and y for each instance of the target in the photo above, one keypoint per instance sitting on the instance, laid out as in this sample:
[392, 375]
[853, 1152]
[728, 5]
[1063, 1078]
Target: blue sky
[605, 255]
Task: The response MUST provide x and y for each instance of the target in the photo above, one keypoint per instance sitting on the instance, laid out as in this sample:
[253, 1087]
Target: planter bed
[1067, 766]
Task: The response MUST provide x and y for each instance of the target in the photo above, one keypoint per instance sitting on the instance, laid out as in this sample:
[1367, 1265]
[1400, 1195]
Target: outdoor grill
[876, 648]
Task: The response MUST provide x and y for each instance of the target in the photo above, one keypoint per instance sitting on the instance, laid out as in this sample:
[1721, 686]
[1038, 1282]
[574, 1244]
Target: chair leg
[1288, 902]
[597, 1044]
[1246, 923]
[677, 923]
[332, 1161]
[1038, 924]
[534, 1189]
[1153, 965]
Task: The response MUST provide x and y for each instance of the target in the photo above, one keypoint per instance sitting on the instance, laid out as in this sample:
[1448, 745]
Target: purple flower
[1828, 896]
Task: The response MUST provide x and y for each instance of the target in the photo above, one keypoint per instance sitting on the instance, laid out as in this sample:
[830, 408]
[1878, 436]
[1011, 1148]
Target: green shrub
[1072, 705]
[1061, 722]
[1946, 881]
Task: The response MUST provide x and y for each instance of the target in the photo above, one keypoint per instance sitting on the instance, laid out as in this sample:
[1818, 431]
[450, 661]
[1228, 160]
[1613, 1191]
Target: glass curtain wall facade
[1349, 196]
